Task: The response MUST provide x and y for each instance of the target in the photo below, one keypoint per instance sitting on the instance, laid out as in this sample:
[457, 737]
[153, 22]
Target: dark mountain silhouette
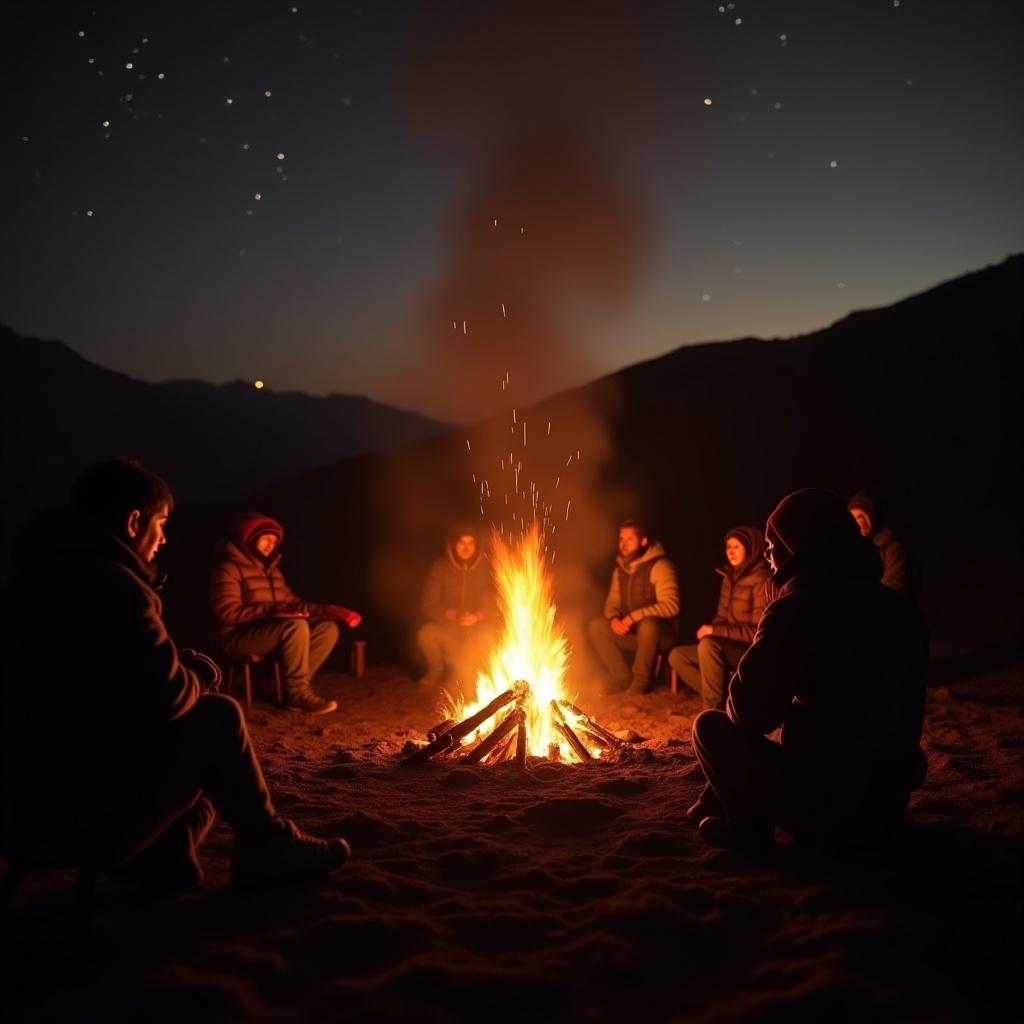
[919, 401]
[62, 412]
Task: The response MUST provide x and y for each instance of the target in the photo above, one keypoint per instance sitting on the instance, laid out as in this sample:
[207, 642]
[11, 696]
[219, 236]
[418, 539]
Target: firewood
[588, 723]
[443, 742]
[440, 729]
[482, 749]
[574, 741]
[467, 725]
[503, 751]
[521, 745]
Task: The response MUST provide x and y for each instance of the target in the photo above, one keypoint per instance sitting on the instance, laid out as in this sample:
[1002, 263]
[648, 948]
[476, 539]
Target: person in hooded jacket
[639, 612]
[459, 608]
[839, 663]
[258, 613]
[869, 518]
[116, 753]
[705, 666]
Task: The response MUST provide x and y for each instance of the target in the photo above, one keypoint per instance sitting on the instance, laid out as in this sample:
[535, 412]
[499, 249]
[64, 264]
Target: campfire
[522, 707]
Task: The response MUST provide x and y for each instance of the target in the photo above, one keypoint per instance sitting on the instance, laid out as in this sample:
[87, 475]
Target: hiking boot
[286, 854]
[306, 700]
[730, 834]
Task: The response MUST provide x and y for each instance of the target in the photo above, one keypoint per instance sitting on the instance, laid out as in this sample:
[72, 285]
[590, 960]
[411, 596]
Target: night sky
[411, 201]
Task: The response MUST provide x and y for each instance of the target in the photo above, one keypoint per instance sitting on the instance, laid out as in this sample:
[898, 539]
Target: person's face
[265, 544]
[735, 552]
[146, 538]
[863, 520]
[630, 543]
[465, 547]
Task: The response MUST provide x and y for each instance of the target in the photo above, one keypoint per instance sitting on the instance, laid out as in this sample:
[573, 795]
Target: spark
[557, 478]
[504, 315]
[568, 460]
[524, 433]
[513, 414]
[567, 504]
[495, 221]
[549, 428]
[464, 327]
[468, 448]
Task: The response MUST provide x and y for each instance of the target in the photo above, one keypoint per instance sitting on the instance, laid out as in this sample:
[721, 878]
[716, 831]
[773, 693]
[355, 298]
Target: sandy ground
[565, 893]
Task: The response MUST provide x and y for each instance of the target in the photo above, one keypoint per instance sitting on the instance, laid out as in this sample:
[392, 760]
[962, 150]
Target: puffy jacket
[894, 559]
[464, 586]
[742, 598]
[662, 577]
[246, 587]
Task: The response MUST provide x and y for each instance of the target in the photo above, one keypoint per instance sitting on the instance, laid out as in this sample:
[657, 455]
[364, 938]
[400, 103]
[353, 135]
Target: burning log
[440, 729]
[566, 730]
[443, 742]
[454, 734]
[503, 751]
[482, 749]
[610, 739]
[521, 745]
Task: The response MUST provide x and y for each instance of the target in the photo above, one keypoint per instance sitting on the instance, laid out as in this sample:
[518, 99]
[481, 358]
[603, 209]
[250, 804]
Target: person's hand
[204, 666]
[469, 619]
[619, 626]
[343, 614]
[704, 631]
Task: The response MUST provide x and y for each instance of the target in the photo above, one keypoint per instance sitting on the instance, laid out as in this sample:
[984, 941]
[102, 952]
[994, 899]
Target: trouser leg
[615, 652]
[322, 638]
[286, 639]
[718, 658]
[653, 637]
[205, 753]
[430, 638]
[744, 772]
[685, 665]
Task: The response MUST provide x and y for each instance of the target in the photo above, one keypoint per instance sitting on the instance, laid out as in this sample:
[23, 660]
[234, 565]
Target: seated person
[839, 663]
[460, 611]
[868, 515]
[114, 754]
[707, 665]
[639, 613]
[257, 613]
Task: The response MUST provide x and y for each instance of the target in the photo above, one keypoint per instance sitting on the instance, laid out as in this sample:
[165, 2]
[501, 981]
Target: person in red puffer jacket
[258, 613]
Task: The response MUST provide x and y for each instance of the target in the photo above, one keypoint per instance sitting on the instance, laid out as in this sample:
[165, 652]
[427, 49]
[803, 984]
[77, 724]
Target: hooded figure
[258, 613]
[839, 662]
[706, 665]
[639, 612]
[460, 611]
[869, 518]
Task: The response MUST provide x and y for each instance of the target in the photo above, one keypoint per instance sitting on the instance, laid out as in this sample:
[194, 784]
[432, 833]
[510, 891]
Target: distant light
[258, 196]
[777, 105]
[266, 92]
[227, 60]
[161, 76]
[739, 21]
[81, 35]
[707, 101]
[88, 213]
[280, 156]
[106, 124]
[833, 163]
[258, 385]
[783, 39]
[245, 145]
[130, 66]
[840, 285]
[706, 297]
[895, 3]
[229, 101]
[24, 138]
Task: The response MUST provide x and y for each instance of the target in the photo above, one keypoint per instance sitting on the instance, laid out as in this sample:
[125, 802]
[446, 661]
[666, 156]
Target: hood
[813, 532]
[654, 550]
[63, 533]
[245, 528]
[868, 504]
[752, 540]
[463, 530]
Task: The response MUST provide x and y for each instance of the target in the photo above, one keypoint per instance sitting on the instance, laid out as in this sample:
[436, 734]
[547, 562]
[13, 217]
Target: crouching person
[839, 662]
[114, 754]
[258, 613]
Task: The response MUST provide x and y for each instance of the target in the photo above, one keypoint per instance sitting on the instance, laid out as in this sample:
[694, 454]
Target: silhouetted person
[113, 754]
[639, 613]
[839, 662]
[705, 666]
[460, 611]
[869, 518]
[258, 613]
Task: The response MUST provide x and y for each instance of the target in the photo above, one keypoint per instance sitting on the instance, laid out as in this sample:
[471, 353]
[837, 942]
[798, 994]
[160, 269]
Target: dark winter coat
[246, 587]
[741, 598]
[464, 586]
[91, 676]
[839, 662]
[894, 559]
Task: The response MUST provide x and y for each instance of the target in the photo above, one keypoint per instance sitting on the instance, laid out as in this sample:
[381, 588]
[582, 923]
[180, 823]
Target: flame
[532, 648]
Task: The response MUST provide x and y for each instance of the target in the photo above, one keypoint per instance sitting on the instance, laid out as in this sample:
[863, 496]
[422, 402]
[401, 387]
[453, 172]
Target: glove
[204, 666]
[343, 614]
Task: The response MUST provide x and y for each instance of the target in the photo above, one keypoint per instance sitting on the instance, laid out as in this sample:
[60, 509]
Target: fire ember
[521, 707]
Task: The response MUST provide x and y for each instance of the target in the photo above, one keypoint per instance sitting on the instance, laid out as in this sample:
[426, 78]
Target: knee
[708, 648]
[649, 628]
[294, 629]
[708, 726]
[329, 630]
[219, 711]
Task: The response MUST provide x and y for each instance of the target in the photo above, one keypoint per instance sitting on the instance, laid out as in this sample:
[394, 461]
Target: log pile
[507, 737]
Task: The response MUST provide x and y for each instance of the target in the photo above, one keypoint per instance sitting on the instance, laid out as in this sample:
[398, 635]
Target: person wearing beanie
[640, 611]
[838, 662]
[258, 613]
[121, 753]
[705, 666]
[867, 513]
[460, 611]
